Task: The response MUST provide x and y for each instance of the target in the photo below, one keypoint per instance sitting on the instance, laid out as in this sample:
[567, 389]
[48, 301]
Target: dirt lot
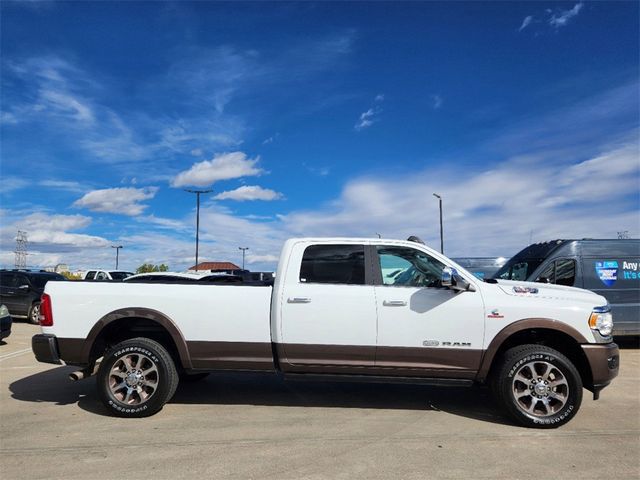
[257, 426]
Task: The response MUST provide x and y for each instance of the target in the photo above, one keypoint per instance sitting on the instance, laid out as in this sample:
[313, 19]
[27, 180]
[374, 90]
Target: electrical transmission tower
[21, 249]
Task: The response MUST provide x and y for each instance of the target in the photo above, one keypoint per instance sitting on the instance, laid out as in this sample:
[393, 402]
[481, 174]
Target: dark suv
[20, 291]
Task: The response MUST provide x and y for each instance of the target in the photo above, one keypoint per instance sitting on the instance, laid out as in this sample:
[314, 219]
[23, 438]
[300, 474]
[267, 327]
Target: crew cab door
[327, 316]
[423, 328]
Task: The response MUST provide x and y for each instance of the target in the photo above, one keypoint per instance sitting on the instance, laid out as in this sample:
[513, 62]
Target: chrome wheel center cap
[540, 388]
[133, 379]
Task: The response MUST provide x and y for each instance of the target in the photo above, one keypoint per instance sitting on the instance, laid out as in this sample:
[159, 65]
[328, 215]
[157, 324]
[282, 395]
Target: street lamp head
[437, 196]
[119, 246]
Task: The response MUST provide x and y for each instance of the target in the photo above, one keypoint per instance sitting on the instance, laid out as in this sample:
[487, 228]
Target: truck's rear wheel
[136, 378]
[538, 386]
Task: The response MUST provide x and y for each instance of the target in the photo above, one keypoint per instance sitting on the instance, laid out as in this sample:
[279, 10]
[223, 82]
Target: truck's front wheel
[136, 378]
[538, 386]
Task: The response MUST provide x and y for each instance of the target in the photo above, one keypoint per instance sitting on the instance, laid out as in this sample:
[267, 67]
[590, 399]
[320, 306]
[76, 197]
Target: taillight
[46, 317]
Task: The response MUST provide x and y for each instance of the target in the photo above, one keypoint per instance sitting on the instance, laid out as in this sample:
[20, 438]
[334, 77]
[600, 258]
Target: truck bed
[221, 326]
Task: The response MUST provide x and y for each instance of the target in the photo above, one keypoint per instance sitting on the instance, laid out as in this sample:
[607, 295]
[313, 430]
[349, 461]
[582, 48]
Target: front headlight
[602, 320]
[4, 311]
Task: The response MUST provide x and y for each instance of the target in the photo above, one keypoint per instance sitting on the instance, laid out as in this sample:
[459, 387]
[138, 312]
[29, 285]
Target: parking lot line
[14, 354]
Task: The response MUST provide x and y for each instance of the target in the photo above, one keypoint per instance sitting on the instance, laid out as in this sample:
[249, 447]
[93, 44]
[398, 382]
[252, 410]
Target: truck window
[516, 269]
[90, 275]
[101, 276]
[343, 264]
[560, 272]
[406, 267]
[565, 272]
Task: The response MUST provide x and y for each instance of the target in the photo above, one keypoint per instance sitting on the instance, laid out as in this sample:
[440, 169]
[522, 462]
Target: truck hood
[550, 291]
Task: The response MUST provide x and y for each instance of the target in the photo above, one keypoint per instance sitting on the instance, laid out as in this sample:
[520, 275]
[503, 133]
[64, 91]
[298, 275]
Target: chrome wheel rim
[133, 379]
[540, 389]
[35, 314]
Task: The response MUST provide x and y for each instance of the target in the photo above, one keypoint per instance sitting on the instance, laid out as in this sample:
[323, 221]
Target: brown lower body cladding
[301, 358]
[347, 359]
[337, 359]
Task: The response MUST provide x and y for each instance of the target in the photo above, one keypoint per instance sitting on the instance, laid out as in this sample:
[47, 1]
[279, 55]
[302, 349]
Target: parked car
[107, 275]
[20, 291]
[184, 277]
[383, 310]
[5, 322]
[610, 268]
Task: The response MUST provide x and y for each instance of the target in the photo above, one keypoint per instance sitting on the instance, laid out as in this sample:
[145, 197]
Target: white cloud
[11, 183]
[66, 104]
[224, 166]
[67, 185]
[272, 259]
[50, 238]
[437, 101]
[526, 22]
[249, 192]
[125, 201]
[562, 17]
[370, 116]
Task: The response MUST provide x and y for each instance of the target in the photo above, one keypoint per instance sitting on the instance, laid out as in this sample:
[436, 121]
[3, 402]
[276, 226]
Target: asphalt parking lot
[260, 427]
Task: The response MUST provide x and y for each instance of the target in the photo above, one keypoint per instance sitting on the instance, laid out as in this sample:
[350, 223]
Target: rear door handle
[394, 303]
[299, 300]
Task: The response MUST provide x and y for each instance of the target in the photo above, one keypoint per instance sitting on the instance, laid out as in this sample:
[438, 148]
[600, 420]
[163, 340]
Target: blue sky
[330, 119]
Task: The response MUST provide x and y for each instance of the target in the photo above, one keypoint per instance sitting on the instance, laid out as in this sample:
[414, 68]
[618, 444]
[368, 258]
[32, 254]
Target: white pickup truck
[383, 310]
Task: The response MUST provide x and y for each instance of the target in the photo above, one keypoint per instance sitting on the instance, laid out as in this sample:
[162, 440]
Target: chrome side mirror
[447, 276]
[452, 279]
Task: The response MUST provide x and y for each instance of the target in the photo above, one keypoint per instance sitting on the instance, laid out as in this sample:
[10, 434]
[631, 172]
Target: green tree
[71, 276]
[150, 267]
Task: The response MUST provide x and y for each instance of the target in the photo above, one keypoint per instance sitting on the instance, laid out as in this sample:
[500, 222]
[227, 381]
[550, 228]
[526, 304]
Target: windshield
[120, 275]
[518, 268]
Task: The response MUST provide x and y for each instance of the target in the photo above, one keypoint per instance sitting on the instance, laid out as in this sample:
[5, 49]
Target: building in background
[222, 267]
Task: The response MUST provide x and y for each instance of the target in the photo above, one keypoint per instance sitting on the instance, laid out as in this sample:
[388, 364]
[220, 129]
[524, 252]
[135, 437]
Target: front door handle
[394, 303]
[299, 300]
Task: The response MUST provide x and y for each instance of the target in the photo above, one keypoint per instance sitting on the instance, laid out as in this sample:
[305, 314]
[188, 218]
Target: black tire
[136, 378]
[34, 314]
[193, 377]
[548, 399]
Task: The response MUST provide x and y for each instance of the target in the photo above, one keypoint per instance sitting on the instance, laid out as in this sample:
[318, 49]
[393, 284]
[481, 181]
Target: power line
[21, 249]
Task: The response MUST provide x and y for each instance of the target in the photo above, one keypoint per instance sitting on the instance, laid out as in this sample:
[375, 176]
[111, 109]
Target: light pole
[117, 252]
[441, 233]
[244, 249]
[198, 193]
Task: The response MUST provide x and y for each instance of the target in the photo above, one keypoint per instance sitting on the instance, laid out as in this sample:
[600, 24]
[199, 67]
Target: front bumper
[45, 348]
[604, 361]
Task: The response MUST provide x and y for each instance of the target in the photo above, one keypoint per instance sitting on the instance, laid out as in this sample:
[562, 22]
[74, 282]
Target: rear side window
[8, 280]
[340, 264]
[560, 272]
[90, 275]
